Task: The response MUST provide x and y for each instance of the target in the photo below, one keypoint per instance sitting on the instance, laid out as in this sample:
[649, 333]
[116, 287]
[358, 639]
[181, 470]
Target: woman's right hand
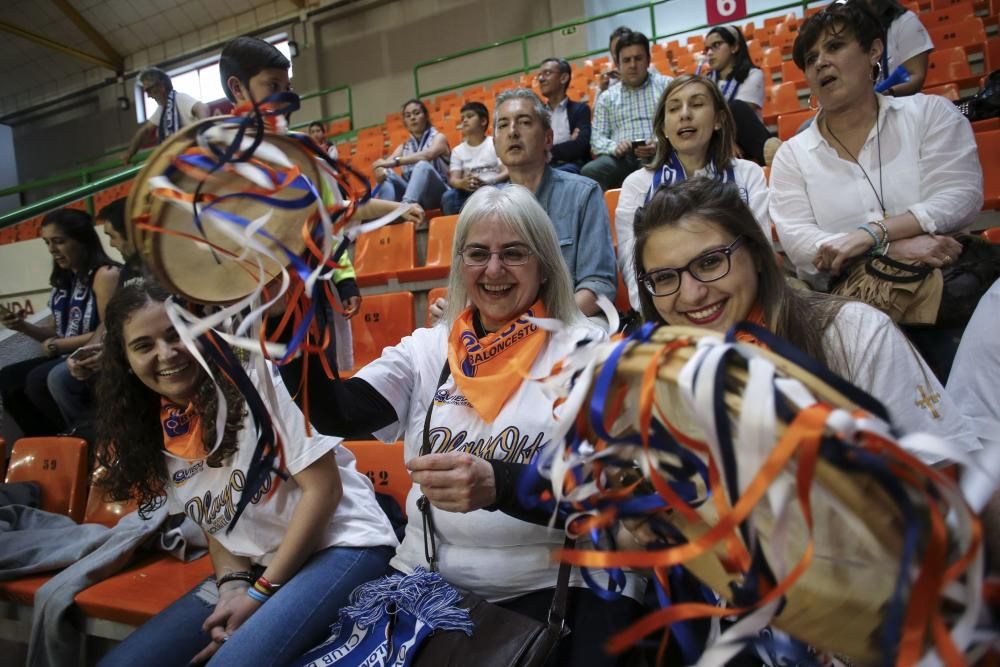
[231, 611]
[929, 249]
[11, 320]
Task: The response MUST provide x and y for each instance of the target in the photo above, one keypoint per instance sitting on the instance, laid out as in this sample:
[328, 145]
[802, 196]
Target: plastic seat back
[103, 511]
[953, 13]
[382, 322]
[440, 238]
[379, 254]
[611, 201]
[383, 464]
[989, 157]
[59, 465]
[946, 65]
[948, 90]
[966, 33]
[789, 123]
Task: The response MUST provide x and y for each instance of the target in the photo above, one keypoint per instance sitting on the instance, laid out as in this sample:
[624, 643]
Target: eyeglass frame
[714, 46]
[499, 253]
[727, 253]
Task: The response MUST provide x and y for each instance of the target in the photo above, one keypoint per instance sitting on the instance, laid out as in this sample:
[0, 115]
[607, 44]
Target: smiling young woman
[695, 133]
[703, 261]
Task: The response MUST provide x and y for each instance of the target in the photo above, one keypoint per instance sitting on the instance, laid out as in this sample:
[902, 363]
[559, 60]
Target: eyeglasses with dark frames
[706, 268]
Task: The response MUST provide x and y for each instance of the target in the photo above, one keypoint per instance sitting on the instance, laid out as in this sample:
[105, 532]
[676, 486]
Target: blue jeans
[74, 397]
[295, 619]
[425, 187]
[453, 200]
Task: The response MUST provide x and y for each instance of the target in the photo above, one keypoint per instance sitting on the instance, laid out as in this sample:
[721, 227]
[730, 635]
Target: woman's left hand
[454, 482]
[834, 254]
[351, 307]
[232, 611]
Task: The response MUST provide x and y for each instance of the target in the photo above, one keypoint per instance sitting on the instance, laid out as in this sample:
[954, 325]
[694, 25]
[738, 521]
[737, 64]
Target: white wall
[8, 169]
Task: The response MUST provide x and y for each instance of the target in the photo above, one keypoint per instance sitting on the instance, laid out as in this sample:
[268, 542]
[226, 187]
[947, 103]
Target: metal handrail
[527, 67]
[84, 174]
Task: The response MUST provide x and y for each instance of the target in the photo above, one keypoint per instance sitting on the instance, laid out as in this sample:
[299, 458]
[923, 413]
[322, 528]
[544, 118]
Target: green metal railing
[94, 178]
[568, 28]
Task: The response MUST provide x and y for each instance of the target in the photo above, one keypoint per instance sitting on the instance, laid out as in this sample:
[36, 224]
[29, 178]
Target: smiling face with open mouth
[838, 69]
[498, 290]
[715, 305]
[158, 357]
[67, 253]
[690, 120]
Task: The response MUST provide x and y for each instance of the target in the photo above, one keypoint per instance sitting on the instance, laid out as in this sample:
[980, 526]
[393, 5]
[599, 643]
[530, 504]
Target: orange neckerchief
[755, 316]
[489, 370]
[181, 431]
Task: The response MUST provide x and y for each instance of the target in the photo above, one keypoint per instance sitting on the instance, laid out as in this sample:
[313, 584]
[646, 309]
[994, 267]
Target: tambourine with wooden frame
[782, 488]
[271, 195]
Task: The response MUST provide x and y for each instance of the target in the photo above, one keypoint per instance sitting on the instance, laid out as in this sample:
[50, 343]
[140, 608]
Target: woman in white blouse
[695, 134]
[908, 164]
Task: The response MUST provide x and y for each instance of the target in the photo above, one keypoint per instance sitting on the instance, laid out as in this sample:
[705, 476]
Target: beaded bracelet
[885, 233]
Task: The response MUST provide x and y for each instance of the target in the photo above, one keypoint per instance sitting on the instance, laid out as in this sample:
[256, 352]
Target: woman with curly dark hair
[310, 533]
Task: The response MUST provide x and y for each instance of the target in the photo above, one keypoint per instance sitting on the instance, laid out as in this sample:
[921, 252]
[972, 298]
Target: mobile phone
[637, 144]
[85, 352]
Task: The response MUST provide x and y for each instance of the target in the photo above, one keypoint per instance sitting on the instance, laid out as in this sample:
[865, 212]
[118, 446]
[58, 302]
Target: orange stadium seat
[949, 90]
[938, 5]
[381, 254]
[772, 59]
[947, 65]
[789, 123]
[383, 321]
[791, 72]
[992, 54]
[992, 234]
[103, 511]
[440, 236]
[611, 201]
[755, 51]
[960, 11]
[143, 589]
[989, 158]
[59, 465]
[432, 296]
[779, 99]
[383, 464]
[968, 34]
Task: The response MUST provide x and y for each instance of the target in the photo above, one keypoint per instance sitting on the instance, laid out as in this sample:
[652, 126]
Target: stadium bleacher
[398, 261]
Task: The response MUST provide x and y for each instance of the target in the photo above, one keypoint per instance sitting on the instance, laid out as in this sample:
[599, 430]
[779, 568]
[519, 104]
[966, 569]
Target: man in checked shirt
[623, 116]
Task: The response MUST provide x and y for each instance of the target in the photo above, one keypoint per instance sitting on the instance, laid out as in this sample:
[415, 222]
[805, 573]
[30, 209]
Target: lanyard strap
[560, 597]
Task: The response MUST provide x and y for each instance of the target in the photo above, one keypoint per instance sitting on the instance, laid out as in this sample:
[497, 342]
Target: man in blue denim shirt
[522, 137]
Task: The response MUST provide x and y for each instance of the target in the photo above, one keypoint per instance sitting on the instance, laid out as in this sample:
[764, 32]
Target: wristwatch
[52, 348]
[396, 160]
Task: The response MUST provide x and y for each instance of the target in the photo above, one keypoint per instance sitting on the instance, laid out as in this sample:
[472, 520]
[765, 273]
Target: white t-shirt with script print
[489, 553]
[209, 495]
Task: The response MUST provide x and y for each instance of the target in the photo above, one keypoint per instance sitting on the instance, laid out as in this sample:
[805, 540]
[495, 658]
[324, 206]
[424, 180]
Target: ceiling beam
[95, 37]
[62, 48]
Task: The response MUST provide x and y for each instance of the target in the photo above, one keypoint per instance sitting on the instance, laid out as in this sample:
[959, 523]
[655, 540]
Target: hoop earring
[813, 107]
[876, 74]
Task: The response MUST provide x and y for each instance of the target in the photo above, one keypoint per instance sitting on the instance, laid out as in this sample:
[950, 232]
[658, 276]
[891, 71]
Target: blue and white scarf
[170, 119]
[672, 172]
[729, 87]
[388, 619]
[74, 310]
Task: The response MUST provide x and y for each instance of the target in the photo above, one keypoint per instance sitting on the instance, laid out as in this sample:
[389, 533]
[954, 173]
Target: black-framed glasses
[706, 268]
[514, 255]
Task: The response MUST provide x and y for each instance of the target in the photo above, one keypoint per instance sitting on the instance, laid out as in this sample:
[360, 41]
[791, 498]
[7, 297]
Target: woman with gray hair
[459, 389]
[174, 110]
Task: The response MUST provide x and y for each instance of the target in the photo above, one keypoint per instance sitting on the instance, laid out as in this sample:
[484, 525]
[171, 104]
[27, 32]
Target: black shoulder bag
[500, 638]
